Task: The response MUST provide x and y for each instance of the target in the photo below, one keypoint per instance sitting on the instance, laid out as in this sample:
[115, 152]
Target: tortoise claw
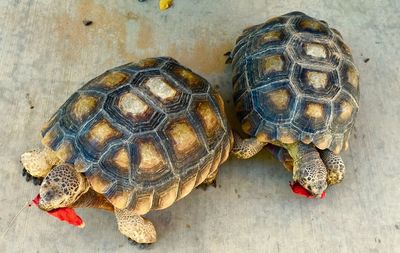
[205, 186]
[140, 245]
[228, 57]
[37, 181]
[28, 177]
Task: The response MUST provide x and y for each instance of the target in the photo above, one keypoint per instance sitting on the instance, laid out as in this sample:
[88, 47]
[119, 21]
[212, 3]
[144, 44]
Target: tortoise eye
[49, 195]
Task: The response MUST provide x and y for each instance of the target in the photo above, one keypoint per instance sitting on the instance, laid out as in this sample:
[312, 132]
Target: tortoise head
[62, 186]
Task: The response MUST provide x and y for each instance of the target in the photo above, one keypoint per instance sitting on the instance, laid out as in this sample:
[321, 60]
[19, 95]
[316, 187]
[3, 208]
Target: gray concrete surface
[46, 53]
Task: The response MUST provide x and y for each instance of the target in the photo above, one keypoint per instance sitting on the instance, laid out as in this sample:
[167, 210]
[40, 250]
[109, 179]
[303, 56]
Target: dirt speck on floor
[28, 98]
[87, 22]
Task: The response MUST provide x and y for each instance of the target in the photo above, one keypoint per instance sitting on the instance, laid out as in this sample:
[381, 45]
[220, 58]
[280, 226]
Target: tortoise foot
[140, 245]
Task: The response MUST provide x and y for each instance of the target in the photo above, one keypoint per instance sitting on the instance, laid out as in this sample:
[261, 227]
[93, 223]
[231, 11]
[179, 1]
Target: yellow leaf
[165, 4]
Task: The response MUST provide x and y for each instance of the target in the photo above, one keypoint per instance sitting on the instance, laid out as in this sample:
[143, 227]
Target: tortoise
[136, 138]
[296, 92]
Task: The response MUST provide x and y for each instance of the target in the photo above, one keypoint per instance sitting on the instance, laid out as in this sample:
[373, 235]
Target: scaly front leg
[334, 165]
[38, 163]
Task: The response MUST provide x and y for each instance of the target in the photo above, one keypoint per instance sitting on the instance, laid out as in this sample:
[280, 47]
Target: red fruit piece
[64, 214]
[299, 190]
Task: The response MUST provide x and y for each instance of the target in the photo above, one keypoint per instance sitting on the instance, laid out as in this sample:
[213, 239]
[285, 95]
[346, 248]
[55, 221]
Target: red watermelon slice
[64, 214]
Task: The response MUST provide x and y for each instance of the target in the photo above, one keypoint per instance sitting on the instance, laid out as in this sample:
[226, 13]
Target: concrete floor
[46, 53]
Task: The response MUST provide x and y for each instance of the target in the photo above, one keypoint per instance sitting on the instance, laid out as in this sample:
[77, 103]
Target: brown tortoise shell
[144, 134]
[294, 79]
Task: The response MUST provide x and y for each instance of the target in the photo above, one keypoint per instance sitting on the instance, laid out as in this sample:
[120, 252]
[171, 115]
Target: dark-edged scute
[314, 51]
[275, 102]
[207, 116]
[350, 79]
[304, 24]
[145, 134]
[142, 117]
[314, 82]
[311, 116]
[294, 79]
[193, 82]
[149, 160]
[96, 137]
[344, 112]
[118, 159]
[268, 66]
[184, 144]
[108, 81]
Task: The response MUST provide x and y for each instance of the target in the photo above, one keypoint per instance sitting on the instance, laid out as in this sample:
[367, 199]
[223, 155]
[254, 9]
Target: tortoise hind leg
[138, 229]
[38, 163]
[246, 148]
[334, 166]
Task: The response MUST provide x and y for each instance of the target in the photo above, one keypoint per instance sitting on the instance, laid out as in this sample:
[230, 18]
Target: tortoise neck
[301, 152]
[93, 199]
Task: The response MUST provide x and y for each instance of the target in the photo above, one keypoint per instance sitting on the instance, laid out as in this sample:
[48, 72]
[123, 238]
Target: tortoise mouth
[41, 204]
[298, 189]
[44, 208]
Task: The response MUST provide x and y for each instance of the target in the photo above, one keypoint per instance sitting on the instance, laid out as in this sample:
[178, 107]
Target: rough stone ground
[46, 52]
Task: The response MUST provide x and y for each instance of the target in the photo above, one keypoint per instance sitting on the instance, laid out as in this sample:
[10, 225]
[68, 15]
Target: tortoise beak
[42, 204]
